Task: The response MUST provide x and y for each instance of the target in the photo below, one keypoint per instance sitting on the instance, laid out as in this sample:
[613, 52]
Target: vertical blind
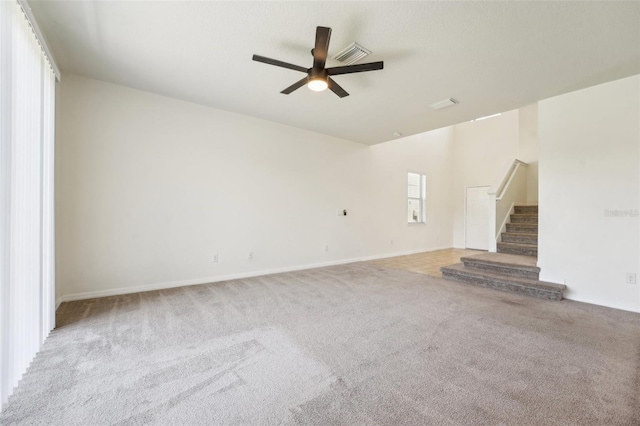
[27, 288]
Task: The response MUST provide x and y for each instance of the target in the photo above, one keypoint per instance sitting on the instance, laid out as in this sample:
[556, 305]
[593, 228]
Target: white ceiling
[490, 56]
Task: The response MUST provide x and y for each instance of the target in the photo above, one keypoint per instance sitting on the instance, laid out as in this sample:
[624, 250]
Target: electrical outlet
[391, 242]
[250, 255]
[631, 278]
[326, 248]
[215, 258]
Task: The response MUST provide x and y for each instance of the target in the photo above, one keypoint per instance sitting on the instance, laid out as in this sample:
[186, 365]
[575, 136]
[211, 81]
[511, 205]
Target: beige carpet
[346, 345]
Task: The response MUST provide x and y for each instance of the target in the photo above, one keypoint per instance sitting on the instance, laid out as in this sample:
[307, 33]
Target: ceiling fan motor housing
[318, 74]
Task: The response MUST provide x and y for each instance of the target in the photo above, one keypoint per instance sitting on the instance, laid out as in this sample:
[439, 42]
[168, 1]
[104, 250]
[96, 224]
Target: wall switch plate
[631, 278]
[250, 255]
[215, 258]
[326, 248]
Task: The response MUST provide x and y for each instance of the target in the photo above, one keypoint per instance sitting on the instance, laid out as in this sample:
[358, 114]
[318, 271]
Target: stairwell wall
[528, 148]
[484, 149]
[589, 185]
[481, 150]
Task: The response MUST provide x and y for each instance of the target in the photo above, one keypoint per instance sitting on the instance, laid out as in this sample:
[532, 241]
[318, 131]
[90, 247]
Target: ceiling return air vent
[443, 103]
[352, 53]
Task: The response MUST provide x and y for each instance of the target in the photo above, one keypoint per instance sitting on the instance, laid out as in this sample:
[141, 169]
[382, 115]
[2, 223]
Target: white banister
[509, 190]
[510, 170]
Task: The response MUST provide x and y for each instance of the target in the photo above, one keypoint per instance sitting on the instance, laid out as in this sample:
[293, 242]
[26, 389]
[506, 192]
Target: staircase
[521, 237]
[513, 268]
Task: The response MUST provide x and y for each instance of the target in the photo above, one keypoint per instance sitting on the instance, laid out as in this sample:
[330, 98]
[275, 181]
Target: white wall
[482, 150]
[528, 148]
[149, 188]
[589, 163]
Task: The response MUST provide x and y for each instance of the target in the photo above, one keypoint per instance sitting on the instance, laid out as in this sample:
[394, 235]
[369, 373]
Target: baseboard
[605, 305]
[228, 277]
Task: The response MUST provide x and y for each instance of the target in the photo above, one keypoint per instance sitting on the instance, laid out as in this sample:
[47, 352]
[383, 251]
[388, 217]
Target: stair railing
[509, 190]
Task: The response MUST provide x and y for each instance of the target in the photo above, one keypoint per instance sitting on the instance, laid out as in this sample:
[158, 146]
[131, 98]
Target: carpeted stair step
[524, 218]
[529, 287]
[506, 264]
[524, 228]
[521, 238]
[519, 249]
[526, 209]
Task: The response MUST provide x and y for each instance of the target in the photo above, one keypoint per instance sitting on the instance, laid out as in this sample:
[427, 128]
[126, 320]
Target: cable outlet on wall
[631, 278]
[250, 255]
[215, 258]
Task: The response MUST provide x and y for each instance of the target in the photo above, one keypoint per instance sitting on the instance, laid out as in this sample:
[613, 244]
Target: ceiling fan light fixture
[318, 77]
[317, 84]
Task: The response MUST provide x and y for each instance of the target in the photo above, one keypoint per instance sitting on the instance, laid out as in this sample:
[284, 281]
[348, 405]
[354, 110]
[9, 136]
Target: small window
[417, 191]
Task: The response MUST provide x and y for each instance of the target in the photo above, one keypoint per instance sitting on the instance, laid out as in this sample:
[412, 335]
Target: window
[417, 192]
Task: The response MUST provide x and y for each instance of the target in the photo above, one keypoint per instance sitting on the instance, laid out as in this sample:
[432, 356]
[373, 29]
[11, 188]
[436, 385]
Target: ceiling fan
[318, 77]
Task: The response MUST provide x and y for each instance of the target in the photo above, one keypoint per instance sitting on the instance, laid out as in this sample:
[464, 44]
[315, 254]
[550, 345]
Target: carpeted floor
[355, 344]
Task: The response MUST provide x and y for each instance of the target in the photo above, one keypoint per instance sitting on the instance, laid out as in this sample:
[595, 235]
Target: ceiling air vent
[443, 103]
[353, 53]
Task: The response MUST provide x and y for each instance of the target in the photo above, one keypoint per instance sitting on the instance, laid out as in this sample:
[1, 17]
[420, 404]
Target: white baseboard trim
[228, 277]
[574, 298]
[599, 303]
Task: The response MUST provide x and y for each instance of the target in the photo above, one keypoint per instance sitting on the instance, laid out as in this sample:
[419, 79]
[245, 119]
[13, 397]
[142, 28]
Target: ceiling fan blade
[335, 88]
[295, 86]
[348, 69]
[278, 63]
[323, 34]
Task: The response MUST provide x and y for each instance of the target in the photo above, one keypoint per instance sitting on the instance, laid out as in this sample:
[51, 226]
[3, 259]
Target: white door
[477, 218]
